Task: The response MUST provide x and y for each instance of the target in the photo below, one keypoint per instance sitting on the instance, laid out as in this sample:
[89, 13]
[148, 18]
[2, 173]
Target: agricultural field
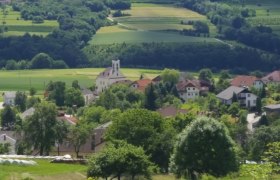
[43, 171]
[17, 26]
[151, 23]
[23, 80]
[267, 13]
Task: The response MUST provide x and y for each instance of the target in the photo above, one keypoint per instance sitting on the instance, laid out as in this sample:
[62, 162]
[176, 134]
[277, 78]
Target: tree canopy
[204, 147]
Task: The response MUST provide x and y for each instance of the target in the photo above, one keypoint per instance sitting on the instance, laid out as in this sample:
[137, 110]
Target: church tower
[116, 67]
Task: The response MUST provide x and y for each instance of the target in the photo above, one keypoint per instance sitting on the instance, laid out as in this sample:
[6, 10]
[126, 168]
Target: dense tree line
[231, 23]
[183, 56]
[78, 22]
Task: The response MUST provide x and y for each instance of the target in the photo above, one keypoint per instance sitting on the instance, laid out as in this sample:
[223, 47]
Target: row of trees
[231, 23]
[183, 56]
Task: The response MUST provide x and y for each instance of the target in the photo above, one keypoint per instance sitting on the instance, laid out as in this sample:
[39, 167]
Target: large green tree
[73, 97]
[20, 101]
[78, 136]
[147, 129]
[56, 92]
[204, 147]
[150, 98]
[170, 76]
[8, 118]
[120, 158]
[39, 129]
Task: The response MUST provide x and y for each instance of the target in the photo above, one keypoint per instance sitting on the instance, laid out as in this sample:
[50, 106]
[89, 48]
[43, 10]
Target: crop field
[17, 26]
[23, 80]
[145, 36]
[267, 13]
[151, 23]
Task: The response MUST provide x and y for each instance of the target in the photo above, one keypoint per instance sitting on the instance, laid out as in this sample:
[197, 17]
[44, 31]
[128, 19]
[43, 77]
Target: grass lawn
[17, 26]
[43, 171]
[151, 23]
[22, 80]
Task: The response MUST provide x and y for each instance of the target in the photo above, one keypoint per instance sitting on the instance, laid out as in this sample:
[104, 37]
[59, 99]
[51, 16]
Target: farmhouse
[243, 95]
[141, 84]
[191, 89]
[109, 76]
[273, 77]
[9, 98]
[247, 81]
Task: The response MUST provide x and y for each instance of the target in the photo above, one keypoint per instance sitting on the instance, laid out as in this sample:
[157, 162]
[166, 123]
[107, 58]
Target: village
[243, 90]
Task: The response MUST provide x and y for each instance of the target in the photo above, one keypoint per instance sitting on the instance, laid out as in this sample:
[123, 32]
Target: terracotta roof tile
[242, 81]
[272, 77]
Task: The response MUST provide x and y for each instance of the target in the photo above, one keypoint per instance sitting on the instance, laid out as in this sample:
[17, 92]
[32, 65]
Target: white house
[88, 95]
[109, 76]
[191, 89]
[8, 137]
[244, 96]
[9, 98]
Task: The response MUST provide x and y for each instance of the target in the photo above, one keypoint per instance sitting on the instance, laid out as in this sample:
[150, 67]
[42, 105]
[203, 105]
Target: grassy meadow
[151, 23]
[43, 171]
[17, 26]
[22, 80]
[267, 13]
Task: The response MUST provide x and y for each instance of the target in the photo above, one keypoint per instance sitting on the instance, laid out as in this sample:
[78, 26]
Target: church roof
[107, 73]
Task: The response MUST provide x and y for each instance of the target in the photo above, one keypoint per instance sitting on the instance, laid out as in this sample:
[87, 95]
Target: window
[189, 88]
[193, 88]
[248, 95]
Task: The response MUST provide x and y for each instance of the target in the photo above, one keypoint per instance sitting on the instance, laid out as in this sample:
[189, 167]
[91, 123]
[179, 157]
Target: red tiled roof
[241, 81]
[157, 79]
[272, 77]
[142, 84]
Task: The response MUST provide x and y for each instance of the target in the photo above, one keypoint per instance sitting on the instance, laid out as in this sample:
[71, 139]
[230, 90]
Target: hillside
[147, 22]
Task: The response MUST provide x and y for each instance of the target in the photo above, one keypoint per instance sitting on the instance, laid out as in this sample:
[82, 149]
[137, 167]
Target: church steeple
[115, 67]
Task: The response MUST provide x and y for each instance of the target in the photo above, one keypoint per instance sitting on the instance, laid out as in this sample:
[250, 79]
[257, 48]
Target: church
[109, 76]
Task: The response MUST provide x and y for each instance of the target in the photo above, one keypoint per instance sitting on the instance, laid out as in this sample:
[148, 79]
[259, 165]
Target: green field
[267, 13]
[43, 171]
[17, 26]
[151, 23]
[22, 80]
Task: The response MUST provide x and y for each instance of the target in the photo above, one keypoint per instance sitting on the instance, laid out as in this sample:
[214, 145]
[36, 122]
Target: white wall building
[109, 76]
[9, 98]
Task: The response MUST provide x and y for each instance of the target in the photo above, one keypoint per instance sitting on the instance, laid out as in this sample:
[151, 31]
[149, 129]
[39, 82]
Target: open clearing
[267, 13]
[22, 80]
[151, 23]
[17, 26]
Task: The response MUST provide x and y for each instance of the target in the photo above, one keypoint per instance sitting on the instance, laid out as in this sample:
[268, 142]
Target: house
[191, 89]
[272, 110]
[243, 95]
[8, 137]
[247, 81]
[273, 77]
[109, 76]
[5, 1]
[27, 113]
[94, 143]
[157, 79]
[171, 111]
[88, 95]
[141, 84]
[9, 98]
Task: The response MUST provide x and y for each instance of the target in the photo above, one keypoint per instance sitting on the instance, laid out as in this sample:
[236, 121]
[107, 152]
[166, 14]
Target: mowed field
[151, 23]
[23, 80]
[17, 26]
[267, 13]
